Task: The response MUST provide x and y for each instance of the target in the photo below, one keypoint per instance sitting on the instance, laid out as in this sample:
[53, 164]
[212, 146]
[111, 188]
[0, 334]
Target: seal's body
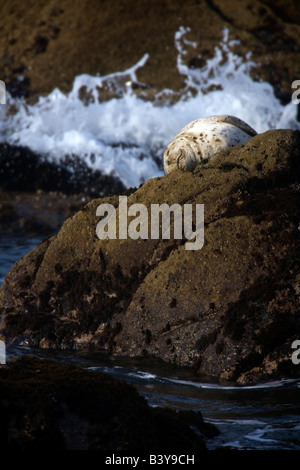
[204, 138]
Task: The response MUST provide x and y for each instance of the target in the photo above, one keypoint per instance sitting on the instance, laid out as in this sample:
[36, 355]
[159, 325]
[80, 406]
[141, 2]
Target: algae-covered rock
[229, 310]
[47, 405]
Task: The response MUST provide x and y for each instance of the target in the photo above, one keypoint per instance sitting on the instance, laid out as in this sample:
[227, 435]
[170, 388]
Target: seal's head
[203, 138]
[179, 154]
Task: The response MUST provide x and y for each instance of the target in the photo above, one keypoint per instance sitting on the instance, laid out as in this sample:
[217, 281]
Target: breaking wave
[104, 122]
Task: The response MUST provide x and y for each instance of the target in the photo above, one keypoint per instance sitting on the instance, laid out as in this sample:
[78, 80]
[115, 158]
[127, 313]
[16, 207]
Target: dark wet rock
[23, 170]
[47, 405]
[43, 47]
[229, 310]
[38, 214]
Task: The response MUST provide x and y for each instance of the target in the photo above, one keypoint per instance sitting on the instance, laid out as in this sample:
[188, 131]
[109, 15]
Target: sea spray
[126, 134]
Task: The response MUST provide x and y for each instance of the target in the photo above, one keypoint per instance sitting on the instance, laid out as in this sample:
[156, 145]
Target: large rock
[230, 309]
[44, 45]
[46, 405]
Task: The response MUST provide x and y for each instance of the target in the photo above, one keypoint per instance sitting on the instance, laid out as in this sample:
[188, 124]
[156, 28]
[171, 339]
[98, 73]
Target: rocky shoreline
[44, 47]
[229, 310]
[37, 195]
[46, 405]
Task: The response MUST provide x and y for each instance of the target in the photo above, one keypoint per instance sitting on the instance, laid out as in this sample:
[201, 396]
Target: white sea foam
[122, 135]
[265, 385]
[259, 433]
[150, 377]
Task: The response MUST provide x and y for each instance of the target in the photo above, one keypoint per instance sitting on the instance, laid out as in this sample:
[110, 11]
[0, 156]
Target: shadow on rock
[46, 405]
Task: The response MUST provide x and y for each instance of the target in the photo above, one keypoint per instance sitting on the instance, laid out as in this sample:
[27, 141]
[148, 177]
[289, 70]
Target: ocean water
[126, 135]
[259, 417]
[13, 249]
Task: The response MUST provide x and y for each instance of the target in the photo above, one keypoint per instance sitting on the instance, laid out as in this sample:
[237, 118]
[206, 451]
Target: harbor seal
[202, 139]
